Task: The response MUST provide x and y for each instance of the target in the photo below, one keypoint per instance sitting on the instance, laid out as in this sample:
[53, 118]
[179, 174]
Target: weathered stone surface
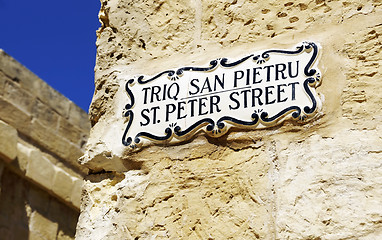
[179, 199]
[14, 116]
[8, 141]
[77, 192]
[18, 96]
[9, 66]
[54, 99]
[78, 117]
[57, 144]
[40, 142]
[329, 188]
[18, 73]
[2, 82]
[23, 156]
[26, 98]
[45, 115]
[40, 170]
[62, 184]
[316, 180]
[69, 131]
[41, 227]
[30, 212]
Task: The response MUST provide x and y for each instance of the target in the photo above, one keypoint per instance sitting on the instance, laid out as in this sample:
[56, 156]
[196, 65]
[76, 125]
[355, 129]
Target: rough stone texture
[42, 228]
[8, 141]
[23, 155]
[40, 169]
[75, 196]
[62, 185]
[42, 134]
[319, 180]
[39, 112]
[27, 212]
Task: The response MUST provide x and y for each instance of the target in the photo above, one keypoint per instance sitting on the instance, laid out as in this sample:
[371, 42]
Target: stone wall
[42, 136]
[317, 180]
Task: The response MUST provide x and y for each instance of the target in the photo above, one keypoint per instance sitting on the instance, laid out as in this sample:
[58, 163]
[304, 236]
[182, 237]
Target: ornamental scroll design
[219, 127]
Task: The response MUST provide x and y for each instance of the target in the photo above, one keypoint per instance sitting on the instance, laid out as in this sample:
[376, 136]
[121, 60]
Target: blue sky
[55, 40]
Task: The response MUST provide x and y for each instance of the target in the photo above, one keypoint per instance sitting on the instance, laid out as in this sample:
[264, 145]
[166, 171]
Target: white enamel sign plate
[257, 91]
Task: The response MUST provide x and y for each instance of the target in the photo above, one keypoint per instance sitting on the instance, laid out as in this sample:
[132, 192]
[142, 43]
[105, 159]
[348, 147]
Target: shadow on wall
[27, 212]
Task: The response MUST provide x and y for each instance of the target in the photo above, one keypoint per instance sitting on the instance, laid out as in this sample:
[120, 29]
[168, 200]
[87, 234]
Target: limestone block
[74, 152]
[305, 180]
[34, 236]
[19, 97]
[9, 66]
[40, 170]
[359, 99]
[41, 227]
[329, 187]
[65, 167]
[23, 156]
[62, 184]
[50, 140]
[46, 115]
[8, 141]
[79, 117]
[2, 82]
[35, 86]
[18, 73]
[69, 131]
[54, 99]
[15, 117]
[204, 195]
[77, 192]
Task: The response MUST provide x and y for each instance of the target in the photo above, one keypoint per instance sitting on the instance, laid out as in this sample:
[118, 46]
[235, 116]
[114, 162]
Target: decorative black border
[257, 117]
